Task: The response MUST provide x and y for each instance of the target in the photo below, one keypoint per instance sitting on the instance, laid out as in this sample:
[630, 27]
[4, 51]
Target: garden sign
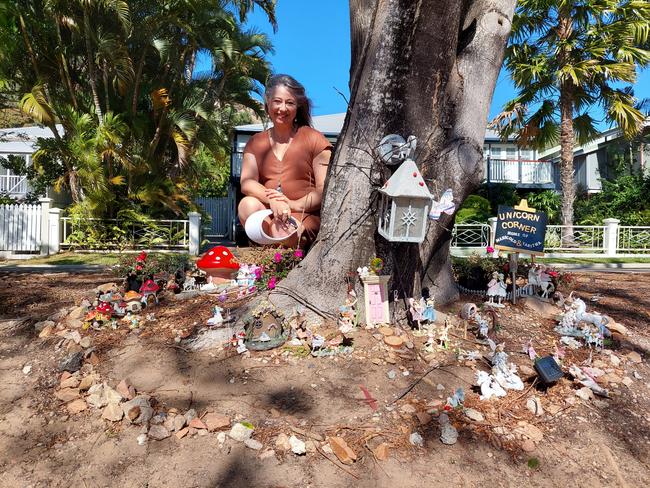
[520, 229]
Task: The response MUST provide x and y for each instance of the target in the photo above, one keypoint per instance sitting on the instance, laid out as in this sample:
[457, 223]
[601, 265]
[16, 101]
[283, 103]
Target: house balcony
[235, 165]
[523, 173]
[14, 186]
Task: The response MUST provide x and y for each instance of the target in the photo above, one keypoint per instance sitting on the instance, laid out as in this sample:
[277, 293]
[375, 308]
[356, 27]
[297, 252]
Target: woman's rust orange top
[295, 172]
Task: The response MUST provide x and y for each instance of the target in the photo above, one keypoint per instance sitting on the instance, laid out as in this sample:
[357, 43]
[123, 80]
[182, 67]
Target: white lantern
[404, 205]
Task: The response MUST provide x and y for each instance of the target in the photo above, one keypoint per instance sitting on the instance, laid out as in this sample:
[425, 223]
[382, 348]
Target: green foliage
[475, 208]
[626, 198]
[143, 128]
[499, 194]
[275, 268]
[153, 264]
[547, 201]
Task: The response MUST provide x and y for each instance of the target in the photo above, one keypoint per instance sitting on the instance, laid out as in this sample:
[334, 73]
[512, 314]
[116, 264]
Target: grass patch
[101, 259]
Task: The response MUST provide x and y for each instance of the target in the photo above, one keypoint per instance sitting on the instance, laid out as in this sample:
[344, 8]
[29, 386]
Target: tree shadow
[290, 400]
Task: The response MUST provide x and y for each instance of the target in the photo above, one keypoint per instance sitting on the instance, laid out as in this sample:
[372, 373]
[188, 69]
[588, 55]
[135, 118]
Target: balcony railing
[235, 164]
[521, 172]
[14, 185]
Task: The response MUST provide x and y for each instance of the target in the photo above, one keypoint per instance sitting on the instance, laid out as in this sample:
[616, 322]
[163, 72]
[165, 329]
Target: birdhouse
[404, 205]
[375, 291]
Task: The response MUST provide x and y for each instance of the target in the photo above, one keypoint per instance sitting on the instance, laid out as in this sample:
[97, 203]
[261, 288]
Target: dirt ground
[576, 442]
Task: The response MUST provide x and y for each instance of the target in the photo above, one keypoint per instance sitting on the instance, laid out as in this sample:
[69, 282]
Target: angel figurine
[416, 309]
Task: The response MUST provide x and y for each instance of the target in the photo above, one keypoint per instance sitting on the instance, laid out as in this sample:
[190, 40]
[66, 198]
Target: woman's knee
[248, 206]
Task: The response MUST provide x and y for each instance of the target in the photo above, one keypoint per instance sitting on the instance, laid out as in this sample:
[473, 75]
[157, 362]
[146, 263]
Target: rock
[178, 421]
[240, 432]
[253, 444]
[610, 378]
[142, 439]
[72, 362]
[39, 326]
[76, 406]
[158, 432]
[298, 447]
[310, 446]
[267, 454]
[125, 389]
[221, 437]
[535, 406]
[627, 381]
[448, 434]
[342, 451]
[140, 415]
[87, 381]
[111, 396]
[615, 360]
[96, 397]
[634, 356]
[474, 415]
[74, 323]
[27, 369]
[585, 393]
[74, 336]
[416, 439]
[182, 433]
[77, 313]
[381, 451]
[424, 418]
[85, 342]
[440, 387]
[113, 412]
[106, 287]
[214, 421]
[67, 394]
[189, 415]
[70, 382]
[46, 332]
[528, 446]
[197, 423]
[282, 442]
[526, 430]
[545, 309]
[526, 372]
[616, 327]
[391, 374]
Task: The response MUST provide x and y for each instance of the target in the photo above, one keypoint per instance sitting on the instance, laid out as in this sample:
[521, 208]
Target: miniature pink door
[376, 304]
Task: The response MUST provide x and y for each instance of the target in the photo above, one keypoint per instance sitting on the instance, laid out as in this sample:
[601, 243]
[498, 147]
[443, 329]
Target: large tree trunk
[423, 68]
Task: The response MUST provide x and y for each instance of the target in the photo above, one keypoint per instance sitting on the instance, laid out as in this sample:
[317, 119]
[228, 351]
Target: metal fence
[123, 234]
[577, 238]
[633, 239]
[470, 235]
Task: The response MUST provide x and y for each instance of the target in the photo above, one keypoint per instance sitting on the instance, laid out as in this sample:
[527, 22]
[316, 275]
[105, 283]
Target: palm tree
[565, 58]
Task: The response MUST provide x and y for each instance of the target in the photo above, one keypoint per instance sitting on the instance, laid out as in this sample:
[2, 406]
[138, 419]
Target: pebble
[634, 356]
[158, 432]
[448, 433]
[440, 387]
[474, 415]
[416, 439]
[627, 381]
[240, 432]
[267, 454]
[298, 447]
[391, 374]
[282, 442]
[142, 439]
[253, 444]
[72, 362]
[221, 437]
[27, 369]
[535, 406]
[585, 393]
[113, 412]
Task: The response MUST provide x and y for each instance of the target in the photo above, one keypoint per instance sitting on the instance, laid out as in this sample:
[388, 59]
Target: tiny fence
[116, 234]
[633, 240]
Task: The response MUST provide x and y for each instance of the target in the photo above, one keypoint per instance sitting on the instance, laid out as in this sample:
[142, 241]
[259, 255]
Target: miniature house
[375, 291]
[404, 205]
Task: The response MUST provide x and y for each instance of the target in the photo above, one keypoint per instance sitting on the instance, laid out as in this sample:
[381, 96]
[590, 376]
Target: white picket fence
[20, 228]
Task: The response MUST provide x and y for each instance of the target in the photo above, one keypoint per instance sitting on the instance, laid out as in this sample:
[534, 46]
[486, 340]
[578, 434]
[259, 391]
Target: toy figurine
[348, 313]
[429, 313]
[443, 339]
[496, 290]
[416, 309]
[217, 318]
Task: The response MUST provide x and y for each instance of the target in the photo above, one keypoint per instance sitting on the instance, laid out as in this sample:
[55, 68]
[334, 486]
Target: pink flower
[271, 284]
[277, 258]
[490, 249]
[258, 273]
[138, 268]
[298, 254]
[553, 274]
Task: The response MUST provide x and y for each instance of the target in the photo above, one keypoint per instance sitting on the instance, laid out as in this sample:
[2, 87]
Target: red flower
[142, 257]
[138, 267]
[553, 274]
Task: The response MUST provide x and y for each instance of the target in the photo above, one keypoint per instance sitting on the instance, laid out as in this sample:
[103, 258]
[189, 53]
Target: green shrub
[475, 208]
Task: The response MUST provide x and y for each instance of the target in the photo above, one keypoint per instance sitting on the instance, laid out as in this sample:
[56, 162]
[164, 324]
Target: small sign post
[519, 229]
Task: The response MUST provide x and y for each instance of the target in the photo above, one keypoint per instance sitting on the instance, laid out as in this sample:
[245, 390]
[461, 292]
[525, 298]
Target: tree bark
[423, 68]
[92, 74]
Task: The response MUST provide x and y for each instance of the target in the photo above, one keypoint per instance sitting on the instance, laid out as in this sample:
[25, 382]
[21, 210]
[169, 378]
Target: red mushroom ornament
[219, 264]
[149, 289]
[103, 312]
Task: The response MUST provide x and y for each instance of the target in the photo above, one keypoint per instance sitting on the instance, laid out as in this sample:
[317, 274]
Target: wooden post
[513, 260]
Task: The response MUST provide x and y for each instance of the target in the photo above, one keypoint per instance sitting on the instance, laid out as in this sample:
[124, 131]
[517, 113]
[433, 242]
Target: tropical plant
[547, 201]
[565, 58]
[136, 121]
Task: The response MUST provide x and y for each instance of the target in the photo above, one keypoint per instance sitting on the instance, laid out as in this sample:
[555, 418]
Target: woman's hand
[281, 209]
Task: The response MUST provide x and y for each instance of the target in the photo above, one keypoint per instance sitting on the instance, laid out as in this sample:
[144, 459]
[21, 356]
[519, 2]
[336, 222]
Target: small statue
[483, 326]
[505, 373]
[416, 308]
[443, 339]
[496, 289]
[489, 386]
[429, 312]
[347, 313]
[217, 318]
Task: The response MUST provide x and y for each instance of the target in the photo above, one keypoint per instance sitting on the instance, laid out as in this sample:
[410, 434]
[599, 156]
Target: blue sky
[313, 45]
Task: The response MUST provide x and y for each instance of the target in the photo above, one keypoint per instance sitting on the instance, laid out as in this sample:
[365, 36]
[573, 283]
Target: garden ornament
[489, 386]
[347, 313]
[416, 309]
[217, 318]
[444, 205]
[443, 339]
[219, 264]
[393, 149]
[404, 202]
[505, 373]
[254, 228]
[429, 312]
[148, 290]
[189, 284]
[540, 281]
